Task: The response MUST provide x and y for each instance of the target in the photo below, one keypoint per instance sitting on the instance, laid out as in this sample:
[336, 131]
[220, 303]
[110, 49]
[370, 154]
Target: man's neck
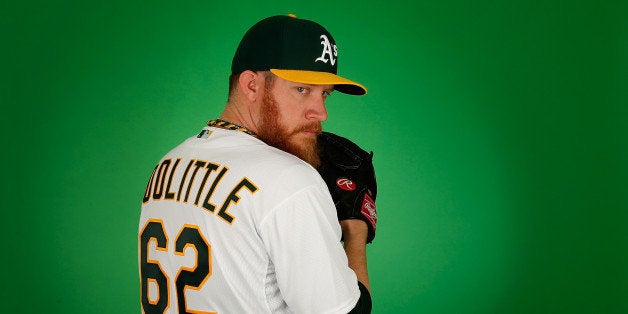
[235, 114]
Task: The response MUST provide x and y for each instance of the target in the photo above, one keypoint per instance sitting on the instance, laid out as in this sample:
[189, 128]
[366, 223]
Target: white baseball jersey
[232, 225]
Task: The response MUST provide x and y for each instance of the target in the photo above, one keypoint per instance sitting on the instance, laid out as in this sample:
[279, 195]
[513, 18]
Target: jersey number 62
[187, 277]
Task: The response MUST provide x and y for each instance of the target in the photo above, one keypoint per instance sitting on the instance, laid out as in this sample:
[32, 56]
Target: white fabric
[281, 253]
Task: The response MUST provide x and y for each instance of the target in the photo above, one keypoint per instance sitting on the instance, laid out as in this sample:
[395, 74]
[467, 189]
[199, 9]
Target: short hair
[269, 80]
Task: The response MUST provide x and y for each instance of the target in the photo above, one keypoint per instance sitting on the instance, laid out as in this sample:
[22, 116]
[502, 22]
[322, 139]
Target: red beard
[274, 134]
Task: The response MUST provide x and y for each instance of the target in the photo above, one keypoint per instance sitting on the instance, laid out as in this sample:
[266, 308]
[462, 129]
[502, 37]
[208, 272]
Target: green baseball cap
[294, 49]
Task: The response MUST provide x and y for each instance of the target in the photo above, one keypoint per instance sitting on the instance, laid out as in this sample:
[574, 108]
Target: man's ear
[250, 84]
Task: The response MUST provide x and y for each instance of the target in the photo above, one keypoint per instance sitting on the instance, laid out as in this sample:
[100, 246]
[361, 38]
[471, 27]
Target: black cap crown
[294, 49]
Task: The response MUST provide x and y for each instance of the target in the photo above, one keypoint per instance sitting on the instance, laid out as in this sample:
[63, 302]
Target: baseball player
[237, 219]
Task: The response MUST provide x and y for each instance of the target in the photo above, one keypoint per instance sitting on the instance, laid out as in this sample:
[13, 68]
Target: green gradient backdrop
[499, 131]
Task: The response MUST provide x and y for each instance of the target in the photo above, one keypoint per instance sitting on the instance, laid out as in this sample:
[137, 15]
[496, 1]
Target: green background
[499, 130]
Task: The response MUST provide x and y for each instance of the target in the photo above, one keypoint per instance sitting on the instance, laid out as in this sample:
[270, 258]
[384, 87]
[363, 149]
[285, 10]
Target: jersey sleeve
[302, 236]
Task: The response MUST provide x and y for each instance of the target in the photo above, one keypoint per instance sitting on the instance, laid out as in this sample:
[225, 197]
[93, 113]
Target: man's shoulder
[248, 155]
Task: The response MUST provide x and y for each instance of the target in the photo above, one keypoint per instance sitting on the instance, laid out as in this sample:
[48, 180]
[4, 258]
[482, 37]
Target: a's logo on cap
[345, 184]
[327, 51]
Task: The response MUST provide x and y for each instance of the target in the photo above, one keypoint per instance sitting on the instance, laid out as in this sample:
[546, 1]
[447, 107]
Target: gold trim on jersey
[223, 124]
[197, 183]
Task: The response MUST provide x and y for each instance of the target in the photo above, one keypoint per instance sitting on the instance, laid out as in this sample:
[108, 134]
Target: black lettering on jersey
[150, 270]
[164, 178]
[170, 195]
[149, 186]
[206, 204]
[210, 168]
[199, 164]
[161, 178]
[235, 198]
[185, 174]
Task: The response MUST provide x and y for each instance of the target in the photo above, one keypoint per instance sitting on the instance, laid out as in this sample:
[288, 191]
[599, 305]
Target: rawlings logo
[345, 184]
[327, 51]
[368, 210]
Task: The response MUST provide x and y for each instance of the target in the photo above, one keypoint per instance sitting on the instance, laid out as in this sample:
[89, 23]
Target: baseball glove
[349, 174]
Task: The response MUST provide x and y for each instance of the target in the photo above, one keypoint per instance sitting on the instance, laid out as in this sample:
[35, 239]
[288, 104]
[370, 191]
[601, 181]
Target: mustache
[314, 126]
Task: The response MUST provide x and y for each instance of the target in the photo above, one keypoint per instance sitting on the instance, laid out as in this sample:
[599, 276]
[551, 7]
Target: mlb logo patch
[204, 134]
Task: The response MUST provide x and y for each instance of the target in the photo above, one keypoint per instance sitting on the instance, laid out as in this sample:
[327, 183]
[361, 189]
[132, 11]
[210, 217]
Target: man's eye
[326, 93]
[301, 90]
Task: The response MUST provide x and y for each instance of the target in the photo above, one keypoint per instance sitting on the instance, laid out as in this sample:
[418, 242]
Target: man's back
[230, 224]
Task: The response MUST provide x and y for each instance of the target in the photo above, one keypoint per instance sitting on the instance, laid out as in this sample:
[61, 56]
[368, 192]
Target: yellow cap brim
[341, 84]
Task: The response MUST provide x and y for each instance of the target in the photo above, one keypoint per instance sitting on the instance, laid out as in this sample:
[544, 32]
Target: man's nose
[318, 110]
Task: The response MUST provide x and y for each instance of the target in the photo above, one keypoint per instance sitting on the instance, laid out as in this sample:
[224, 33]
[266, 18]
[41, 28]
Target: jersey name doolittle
[193, 183]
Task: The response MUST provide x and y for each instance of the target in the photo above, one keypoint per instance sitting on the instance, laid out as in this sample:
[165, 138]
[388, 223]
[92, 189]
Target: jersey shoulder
[249, 156]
